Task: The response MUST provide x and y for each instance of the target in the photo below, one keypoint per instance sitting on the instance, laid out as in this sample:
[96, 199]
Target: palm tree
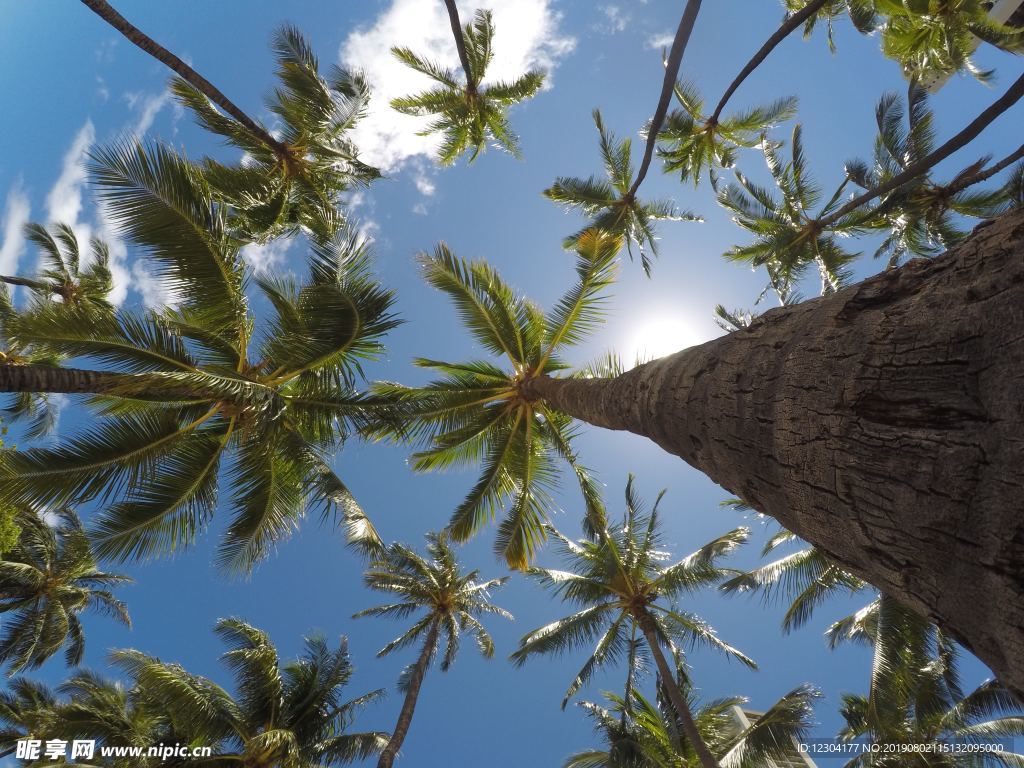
[199, 386]
[693, 142]
[296, 182]
[915, 697]
[612, 202]
[919, 218]
[479, 411]
[46, 581]
[467, 113]
[619, 579]
[447, 602]
[644, 734]
[290, 714]
[788, 236]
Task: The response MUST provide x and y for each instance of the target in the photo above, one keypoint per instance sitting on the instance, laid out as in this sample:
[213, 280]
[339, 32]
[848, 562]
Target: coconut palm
[938, 37]
[198, 394]
[788, 236]
[479, 411]
[620, 580]
[692, 142]
[612, 202]
[447, 602]
[467, 114]
[644, 734]
[26, 712]
[920, 217]
[296, 182]
[862, 13]
[46, 581]
[915, 697]
[291, 715]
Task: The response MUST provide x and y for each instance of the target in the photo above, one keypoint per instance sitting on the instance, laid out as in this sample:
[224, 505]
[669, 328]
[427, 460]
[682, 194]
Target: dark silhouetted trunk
[668, 680]
[883, 424]
[387, 756]
[44, 378]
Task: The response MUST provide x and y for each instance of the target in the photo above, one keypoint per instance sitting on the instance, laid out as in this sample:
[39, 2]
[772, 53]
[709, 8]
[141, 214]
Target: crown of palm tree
[693, 142]
[291, 715]
[198, 393]
[31, 406]
[915, 696]
[436, 587]
[467, 113]
[479, 412]
[46, 581]
[788, 237]
[863, 14]
[919, 218]
[612, 203]
[937, 37]
[644, 734]
[297, 183]
[27, 710]
[621, 579]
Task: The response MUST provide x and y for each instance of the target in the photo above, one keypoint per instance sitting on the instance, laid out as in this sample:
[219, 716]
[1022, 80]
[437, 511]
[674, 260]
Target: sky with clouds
[75, 85]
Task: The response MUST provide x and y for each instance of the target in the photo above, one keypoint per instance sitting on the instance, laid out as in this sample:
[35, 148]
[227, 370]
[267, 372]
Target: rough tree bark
[388, 754]
[884, 424]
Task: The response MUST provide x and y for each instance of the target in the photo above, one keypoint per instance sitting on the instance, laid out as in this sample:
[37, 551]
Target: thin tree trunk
[884, 424]
[460, 43]
[668, 679]
[387, 756]
[45, 378]
[109, 14]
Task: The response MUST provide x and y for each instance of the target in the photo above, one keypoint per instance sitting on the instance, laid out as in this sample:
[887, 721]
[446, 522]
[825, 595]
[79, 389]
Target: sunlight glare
[657, 337]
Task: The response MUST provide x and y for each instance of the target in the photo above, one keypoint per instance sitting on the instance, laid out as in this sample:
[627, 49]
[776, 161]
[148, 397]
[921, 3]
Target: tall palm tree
[467, 114]
[291, 715]
[642, 734]
[479, 412]
[620, 580]
[27, 711]
[915, 698]
[692, 142]
[920, 217]
[612, 202]
[200, 386]
[296, 182]
[788, 236]
[46, 581]
[447, 602]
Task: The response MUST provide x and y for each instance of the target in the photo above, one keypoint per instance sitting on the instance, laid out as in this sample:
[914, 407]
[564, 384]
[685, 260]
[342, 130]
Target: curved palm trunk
[387, 756]
[460, 42]
[883, 424]
[109, 14]
[668, 679]
[44, 378]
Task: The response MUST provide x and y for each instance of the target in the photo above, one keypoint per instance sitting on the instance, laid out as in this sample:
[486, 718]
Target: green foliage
[644, 734]
[297, 183]
[480, 413]
[620, 579]
[436, 591]
[46, 580]
[920, 217]
[467, 114]
[692, 143]
[788, 237]
[198, 399]
[289, 714]
[612, 204]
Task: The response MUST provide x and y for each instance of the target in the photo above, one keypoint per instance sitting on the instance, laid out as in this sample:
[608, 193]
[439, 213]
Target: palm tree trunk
[668, 679]
[460, 43]
[45, 378]
[883, 424]
[387, 756]
[109, 14]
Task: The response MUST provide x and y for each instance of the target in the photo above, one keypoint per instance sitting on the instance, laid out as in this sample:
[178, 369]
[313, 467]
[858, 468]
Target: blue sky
[69, 83]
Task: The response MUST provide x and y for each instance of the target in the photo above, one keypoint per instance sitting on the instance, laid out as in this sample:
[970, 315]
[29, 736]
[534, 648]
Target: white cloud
[154, 293]
[424, 184]
[16, 213]
[419, 209]
[618, 20]
[660, 41]
[101, 89]
[265, 257]
[527, 38]
[147, 106]
[64, 202]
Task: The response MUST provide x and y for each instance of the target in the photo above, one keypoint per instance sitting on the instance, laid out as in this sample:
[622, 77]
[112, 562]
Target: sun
[657, 336]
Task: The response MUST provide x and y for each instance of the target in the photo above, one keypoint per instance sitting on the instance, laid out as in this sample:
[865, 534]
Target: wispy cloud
[527, 38]
[147, 107]
[660, 41]
[265, 257]
[616, 19]
[16, 213]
